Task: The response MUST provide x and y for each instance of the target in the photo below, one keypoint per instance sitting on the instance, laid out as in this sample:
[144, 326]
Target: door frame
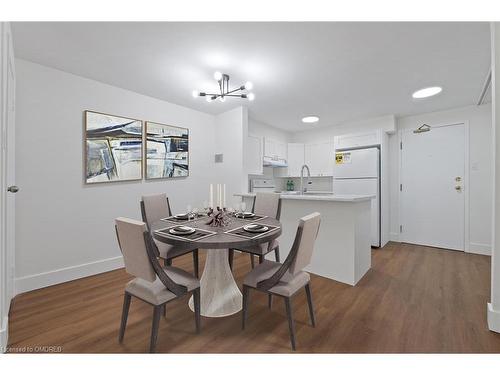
[465, 178]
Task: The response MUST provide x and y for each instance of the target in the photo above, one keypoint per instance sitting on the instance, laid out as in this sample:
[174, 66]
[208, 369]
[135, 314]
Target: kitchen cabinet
[295, 154]
[275, 149]
[320, 158]
[358, 140]
[254, 155]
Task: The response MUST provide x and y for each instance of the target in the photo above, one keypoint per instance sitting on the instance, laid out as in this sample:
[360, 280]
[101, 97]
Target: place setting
[252, 230]
[184, 232]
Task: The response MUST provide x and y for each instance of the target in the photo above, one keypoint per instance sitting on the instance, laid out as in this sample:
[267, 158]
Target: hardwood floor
[414, 299]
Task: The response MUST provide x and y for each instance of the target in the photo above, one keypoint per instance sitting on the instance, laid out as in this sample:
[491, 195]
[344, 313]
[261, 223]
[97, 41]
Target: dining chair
[286, 279]
[264, 204]
[154, 208]
[152, 284]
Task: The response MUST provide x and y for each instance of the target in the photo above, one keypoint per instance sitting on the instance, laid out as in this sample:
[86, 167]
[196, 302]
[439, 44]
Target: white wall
[480, 168]
[231, 130]
[493, 309]
[64, 227]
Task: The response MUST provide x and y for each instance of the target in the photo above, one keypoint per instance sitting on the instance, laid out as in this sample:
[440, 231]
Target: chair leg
[252, 261]
[246, 295]
[261, 259]
[126, 305]
[195, 263]
[231, 258]
[154, 329]
[168, 262]
[291, 324]
[164, 309]
[197, 314]
[277, 254]
[270, 301]
[310, 303]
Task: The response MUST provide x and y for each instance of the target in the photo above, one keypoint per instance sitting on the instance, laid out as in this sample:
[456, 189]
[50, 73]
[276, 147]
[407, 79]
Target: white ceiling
[339, 71]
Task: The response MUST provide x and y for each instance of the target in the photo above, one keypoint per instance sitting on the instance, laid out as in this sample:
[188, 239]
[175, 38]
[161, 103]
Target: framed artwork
[167, 151]
[113, 148]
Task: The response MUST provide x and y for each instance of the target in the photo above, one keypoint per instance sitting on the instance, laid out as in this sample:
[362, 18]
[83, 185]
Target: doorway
[433, 189]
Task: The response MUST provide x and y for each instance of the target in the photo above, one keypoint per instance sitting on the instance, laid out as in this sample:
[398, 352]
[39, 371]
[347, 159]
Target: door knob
[458, 188]
[13, 189]
[458, 179]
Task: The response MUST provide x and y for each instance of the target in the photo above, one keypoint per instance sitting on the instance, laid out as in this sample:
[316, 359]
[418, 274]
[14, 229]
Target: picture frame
[166, 150]
[113, 148]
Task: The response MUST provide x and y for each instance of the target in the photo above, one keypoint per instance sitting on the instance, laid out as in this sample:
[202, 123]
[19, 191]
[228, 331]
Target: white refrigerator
[358, 172]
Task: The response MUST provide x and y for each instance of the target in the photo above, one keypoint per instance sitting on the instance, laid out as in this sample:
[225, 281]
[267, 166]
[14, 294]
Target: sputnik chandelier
[225, 91]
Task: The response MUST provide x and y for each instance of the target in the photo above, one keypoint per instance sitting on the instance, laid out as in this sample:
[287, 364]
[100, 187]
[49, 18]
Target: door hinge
[400, 229]
[400, 187]
[401, 145]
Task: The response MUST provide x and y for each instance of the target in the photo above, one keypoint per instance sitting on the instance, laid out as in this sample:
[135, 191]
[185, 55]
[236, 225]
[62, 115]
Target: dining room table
[220, 295]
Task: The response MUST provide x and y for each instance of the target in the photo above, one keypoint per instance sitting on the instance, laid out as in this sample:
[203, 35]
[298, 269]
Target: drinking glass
[243, 207]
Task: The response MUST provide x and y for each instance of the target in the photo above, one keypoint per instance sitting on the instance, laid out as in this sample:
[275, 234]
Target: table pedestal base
[220, 295]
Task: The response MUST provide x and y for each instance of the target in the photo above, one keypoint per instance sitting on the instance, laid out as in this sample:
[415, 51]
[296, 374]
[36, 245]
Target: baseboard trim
[493, 319]
[394, 237]
[62, 275]
[479, 248]
[4, 334]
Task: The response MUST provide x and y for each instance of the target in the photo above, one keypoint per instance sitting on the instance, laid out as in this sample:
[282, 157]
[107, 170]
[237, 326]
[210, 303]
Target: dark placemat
[253, 218]
[243, 233]
[173, 219]
[200, 233]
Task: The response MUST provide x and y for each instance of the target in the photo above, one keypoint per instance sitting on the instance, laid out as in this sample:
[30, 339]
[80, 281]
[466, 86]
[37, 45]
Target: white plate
[245, 214]
[184, 216]
[188, 230]
[255, 228]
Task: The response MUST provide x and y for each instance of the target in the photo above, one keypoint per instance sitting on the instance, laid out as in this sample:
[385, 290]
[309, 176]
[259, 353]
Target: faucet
[302, 188]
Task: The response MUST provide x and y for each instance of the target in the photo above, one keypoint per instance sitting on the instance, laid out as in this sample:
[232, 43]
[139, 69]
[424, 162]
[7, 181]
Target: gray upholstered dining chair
[152, 284]
[265, 204]
[153, 208]
[286, 279]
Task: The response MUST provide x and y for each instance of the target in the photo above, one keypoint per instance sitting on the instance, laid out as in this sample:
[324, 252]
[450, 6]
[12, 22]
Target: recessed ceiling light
[427, 92]
[310, 119]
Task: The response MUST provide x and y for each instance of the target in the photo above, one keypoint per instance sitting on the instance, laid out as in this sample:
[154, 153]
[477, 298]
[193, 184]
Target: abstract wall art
[113, 147]
[167, 151]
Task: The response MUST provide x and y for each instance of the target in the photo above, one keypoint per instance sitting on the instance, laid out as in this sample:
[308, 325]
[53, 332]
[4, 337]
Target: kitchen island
[342, 251]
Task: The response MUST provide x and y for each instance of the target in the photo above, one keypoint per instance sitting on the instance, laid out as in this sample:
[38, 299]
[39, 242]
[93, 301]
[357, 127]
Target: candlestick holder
[218, 218]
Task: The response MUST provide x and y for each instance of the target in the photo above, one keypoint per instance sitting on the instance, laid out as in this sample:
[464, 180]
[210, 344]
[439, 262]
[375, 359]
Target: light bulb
[222, 99]
[195, 93]
[248, 85]
[218, 76]
[251, 96]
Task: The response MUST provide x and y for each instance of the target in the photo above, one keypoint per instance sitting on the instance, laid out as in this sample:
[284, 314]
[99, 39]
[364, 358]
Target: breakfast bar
[342, 250]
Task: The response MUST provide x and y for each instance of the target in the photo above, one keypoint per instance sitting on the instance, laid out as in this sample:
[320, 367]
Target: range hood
[274, 162]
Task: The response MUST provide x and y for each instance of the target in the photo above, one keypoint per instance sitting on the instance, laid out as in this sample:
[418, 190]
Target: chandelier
[225, 91]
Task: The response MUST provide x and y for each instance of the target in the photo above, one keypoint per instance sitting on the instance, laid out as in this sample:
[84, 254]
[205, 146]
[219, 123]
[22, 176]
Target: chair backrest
[130, 235]
[309, 230]
[154, 207]
[267, 204]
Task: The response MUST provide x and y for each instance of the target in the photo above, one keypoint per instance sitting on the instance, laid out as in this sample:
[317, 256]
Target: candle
[224, 197]
[220, 195]
[211, 197]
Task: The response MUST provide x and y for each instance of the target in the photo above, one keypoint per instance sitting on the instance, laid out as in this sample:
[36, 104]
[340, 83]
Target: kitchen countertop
[319, 197]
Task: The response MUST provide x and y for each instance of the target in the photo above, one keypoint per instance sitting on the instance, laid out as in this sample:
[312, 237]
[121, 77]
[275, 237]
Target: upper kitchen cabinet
[295, 153]
[320, 158]
[254, 155]
[358, 140]
[275, 149]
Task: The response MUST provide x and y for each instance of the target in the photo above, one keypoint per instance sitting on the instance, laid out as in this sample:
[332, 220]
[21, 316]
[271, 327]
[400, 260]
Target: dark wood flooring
[415, 299]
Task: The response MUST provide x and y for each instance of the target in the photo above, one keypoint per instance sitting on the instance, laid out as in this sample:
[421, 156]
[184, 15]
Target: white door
[433, 183]
[7, 203]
